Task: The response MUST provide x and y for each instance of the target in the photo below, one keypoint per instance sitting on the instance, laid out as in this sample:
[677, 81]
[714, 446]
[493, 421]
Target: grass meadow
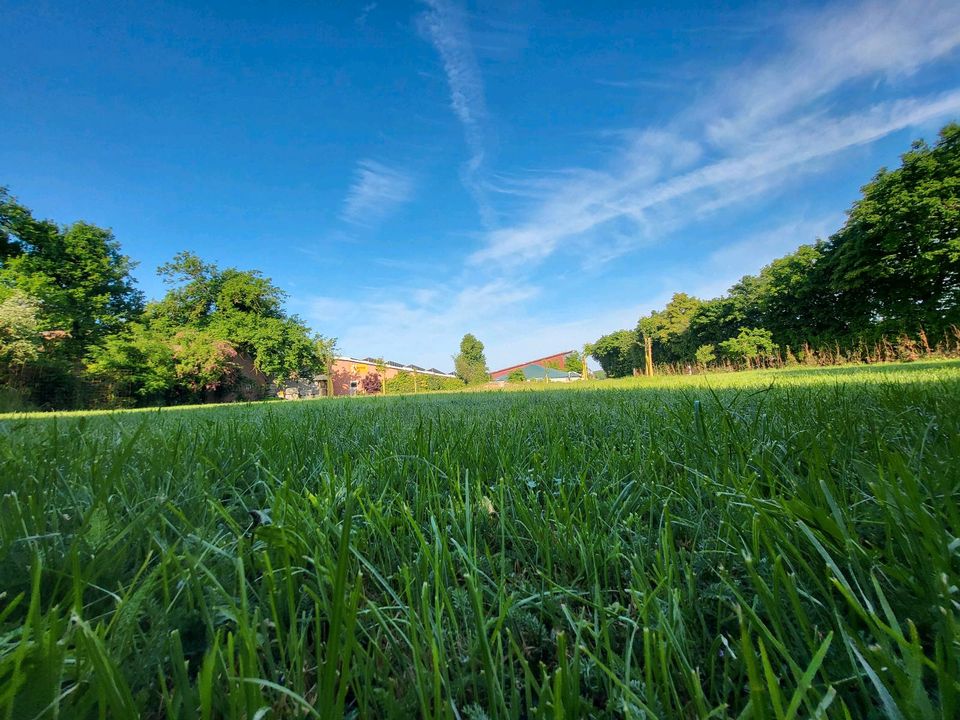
[762, 545]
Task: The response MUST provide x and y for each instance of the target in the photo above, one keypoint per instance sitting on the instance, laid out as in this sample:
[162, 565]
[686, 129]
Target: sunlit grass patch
[772, 544]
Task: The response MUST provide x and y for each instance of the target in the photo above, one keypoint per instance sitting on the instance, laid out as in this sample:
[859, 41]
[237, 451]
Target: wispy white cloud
[444, 24]
[827, 50]
[758, 125]
[376, 191]
[419, 325]
[365, 11]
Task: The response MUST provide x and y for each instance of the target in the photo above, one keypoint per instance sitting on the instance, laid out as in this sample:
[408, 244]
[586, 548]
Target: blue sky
[537, 174]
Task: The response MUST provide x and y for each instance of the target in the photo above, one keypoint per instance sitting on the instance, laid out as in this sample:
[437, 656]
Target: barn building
[549, 368]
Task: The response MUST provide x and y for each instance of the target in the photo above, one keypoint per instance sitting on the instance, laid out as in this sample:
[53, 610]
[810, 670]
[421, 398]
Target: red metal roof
[559, 357]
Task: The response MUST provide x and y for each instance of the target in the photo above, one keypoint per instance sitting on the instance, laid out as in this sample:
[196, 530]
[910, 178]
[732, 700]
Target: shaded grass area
[770, 545]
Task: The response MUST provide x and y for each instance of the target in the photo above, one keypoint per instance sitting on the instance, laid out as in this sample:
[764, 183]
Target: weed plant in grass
[770, 545]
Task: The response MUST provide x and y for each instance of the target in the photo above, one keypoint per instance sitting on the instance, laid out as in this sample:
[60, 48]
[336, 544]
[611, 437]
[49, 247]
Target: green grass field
[769, 544]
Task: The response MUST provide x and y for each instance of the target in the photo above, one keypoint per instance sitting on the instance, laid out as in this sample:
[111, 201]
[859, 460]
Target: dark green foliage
[405, 382]
[138, 364]
[896, 261]
[74, 330]
[618, 353]
[705, 355]
[752, 346]
[195, 340]
[573, 362]
[470, 363]
[76, 272]
[79, 285]
[516, 376]
[669, 328]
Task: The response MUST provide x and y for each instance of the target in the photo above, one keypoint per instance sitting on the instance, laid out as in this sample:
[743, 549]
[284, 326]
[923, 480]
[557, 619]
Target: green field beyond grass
[770, 545]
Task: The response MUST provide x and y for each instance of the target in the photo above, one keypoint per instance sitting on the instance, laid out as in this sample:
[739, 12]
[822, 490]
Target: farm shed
[549, 368]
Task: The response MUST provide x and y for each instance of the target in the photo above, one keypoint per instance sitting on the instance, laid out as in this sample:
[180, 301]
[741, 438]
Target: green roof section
[539, 372]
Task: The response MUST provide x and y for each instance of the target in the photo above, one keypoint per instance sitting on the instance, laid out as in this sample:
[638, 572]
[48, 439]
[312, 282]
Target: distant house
[550, 368]
[349, 371]
[347, 374]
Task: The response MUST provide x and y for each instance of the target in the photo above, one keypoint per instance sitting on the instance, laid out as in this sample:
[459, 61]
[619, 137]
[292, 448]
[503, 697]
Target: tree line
[886, 286]
[76, 332]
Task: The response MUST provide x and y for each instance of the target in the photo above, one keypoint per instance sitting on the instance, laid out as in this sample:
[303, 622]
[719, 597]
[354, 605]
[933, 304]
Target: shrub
[371, 383]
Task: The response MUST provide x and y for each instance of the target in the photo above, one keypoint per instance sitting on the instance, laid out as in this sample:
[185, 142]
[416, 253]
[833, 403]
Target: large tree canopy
[19, 333]
[897, 259]
[618, 353]
[668, 327]
[76, 273]
[470, 363]
[194, 340]
[74, 330]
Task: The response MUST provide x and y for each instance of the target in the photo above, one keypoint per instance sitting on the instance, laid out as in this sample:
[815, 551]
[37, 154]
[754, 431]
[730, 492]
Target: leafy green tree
[205, 363]
[668, 328]
[715, 321]
[743, 300]
[198, 339]
[573, 362]
[793, 298]
[705, 355]
[137, 364]
[77, 273]
[896, 261]
[470, 363]
[751, 346]
[647, 332]
[516, 376]
[19, 333]
[892, 271]
[280, 347]
[193, 295]
[149, 364]
[241, 308]
[618, 353]
[326, 350]
[83, 290]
